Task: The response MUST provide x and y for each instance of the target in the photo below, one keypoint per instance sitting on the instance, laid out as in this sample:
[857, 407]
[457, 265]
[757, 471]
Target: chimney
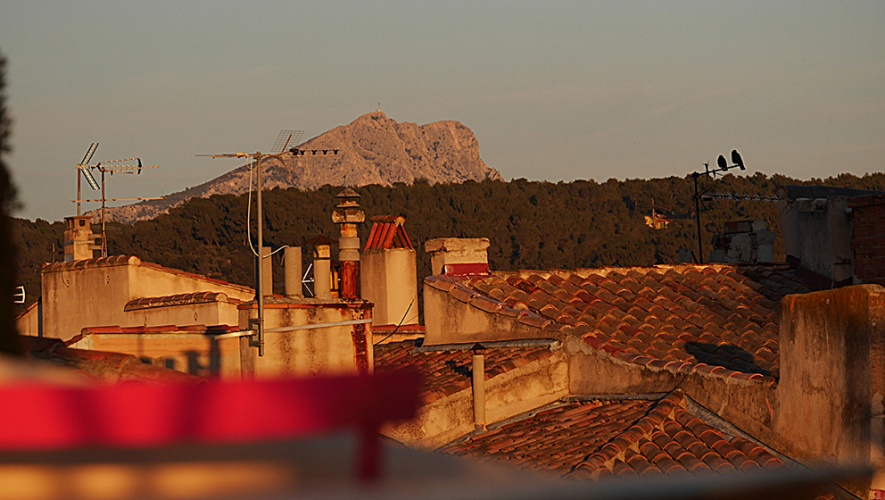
[347, 215]
[293, 272]
[79, 239]
[322, 270]
[458, 256]
[389, 274]
[832, 379]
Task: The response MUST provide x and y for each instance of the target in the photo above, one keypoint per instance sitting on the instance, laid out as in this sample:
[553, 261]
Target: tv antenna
[721, 166]
[121, 166]
[287, 139]
[738, 197]
[286, 144]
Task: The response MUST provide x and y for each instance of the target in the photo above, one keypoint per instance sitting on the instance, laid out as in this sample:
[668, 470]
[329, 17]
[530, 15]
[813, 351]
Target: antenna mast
[721, 166]
[286, 145]
[122, 166]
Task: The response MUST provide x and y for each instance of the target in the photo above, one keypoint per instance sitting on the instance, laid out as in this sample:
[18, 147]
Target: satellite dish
[736, 159]
[722, 163]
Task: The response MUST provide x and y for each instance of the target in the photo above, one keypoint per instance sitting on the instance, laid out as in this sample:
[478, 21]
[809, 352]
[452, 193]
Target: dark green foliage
[531, 225]
[9, 342]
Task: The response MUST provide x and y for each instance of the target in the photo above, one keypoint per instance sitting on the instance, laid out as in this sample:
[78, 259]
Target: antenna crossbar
[286, 139]
[130, 165]
[286, 145]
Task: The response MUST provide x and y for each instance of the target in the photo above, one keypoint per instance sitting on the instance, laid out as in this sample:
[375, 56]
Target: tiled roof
[114, 260]
[592, 439]
[715, 319]
[177, 300]
[448, 372]
[388, 232]
[141, 330]
[108, 367]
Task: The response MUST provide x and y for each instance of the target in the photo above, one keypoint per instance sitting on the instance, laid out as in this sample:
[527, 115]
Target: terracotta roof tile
[178, 299]
[114, 260]
[387, 232]
[162, 329]
[103, 367]
[592, 439]
[448, 372]
[716, 319]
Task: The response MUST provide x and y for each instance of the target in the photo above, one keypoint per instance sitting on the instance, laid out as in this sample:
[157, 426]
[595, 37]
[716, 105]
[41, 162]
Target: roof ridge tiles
[114, 260]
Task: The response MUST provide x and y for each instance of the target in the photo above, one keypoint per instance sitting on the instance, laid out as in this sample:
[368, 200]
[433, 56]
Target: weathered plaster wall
[96, 295]
[149, 281]
[389, 279]
[527, 387]
[210, 314]
[818, 232]
[437, 424]
[75, 299]
[748, 404]
[451, 321]
[832, 356]
[326, 350]
[30, 321]
[512, 393]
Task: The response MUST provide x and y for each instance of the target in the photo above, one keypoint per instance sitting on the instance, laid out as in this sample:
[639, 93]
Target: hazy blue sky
[553, 90]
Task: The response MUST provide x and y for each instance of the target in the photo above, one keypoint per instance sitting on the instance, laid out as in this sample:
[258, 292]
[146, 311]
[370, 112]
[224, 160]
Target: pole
[258, 281]
[697, 211]
[79, 175]
[104, 235]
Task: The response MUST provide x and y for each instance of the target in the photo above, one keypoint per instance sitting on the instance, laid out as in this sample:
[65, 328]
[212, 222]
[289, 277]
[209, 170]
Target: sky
[553, 90]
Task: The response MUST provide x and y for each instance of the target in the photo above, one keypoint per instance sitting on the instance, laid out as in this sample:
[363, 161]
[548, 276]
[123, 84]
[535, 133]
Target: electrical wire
[399, 325]
[249, 218]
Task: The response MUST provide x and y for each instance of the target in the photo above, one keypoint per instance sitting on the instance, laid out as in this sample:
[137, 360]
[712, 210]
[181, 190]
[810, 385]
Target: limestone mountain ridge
[373, 149]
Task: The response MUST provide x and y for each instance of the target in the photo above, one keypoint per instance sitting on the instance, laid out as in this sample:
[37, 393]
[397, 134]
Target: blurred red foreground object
[45, 417]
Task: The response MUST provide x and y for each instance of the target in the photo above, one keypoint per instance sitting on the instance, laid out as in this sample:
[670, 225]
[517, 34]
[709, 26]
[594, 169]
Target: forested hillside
[531, 225]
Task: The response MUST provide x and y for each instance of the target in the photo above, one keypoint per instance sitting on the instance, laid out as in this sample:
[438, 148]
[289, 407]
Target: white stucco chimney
[458, 256]
[389, 274]
[293, 270]
[79, 238]
[322, 270]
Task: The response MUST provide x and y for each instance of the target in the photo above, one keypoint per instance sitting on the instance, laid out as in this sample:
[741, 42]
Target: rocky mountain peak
[373, 149]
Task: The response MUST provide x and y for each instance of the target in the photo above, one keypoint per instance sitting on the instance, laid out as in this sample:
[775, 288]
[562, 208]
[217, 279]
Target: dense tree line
[9, 342]
[531, 225]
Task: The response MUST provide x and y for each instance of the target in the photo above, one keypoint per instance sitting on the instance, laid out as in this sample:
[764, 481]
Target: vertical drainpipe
[479, 387]
[347, 215]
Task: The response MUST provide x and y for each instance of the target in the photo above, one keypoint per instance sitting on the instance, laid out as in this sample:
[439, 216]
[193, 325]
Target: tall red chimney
[347, 215]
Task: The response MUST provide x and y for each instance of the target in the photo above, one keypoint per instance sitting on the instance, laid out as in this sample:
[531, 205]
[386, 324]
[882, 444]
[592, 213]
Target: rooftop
[446, 372]
[125, 260]
[594, 438]
[178, 300]
[716, 319]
